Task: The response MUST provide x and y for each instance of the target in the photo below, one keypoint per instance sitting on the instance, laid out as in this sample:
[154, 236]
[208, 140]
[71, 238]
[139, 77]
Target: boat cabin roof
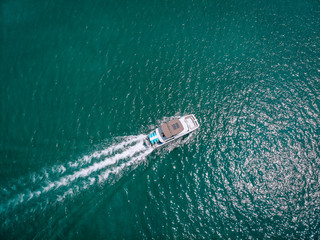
[172, 128]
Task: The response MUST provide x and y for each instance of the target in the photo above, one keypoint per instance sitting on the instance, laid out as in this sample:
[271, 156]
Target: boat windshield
[162, 134]
[165, 132]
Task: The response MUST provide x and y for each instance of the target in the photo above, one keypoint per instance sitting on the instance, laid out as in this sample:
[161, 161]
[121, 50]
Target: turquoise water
[82, 82]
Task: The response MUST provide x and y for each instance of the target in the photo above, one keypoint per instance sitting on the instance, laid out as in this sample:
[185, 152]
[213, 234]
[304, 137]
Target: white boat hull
[160, 136]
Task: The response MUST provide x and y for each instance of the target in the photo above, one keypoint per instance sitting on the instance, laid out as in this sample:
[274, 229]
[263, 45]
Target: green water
[82, 82]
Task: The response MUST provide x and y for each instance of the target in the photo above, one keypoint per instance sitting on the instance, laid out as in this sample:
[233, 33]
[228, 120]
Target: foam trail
[114, 147]
[106, 174]
[118, 169]
[130, 149]
[48, 174]
[95, 167]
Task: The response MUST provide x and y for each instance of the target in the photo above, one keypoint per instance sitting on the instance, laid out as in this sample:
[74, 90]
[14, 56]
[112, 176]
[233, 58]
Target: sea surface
[83, 82]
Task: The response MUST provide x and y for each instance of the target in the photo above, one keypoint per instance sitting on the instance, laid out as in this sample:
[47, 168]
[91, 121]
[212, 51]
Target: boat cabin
[171, 128]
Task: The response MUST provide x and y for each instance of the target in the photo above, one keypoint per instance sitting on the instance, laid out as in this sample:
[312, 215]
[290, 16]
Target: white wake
[56, 183]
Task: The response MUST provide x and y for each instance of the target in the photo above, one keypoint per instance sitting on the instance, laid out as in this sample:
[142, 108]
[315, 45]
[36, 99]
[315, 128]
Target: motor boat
[171, 131]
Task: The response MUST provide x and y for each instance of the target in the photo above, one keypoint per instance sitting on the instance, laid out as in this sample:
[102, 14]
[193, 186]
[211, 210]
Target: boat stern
[154, 139]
